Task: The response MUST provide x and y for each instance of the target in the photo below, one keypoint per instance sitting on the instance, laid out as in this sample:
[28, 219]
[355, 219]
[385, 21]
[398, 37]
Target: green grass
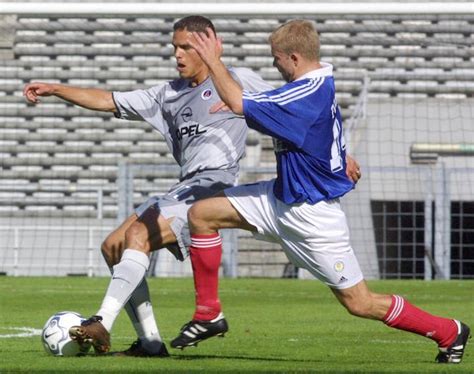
[276, 326]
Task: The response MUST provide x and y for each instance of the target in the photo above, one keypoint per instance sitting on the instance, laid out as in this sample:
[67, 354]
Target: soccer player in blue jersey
[299, 209]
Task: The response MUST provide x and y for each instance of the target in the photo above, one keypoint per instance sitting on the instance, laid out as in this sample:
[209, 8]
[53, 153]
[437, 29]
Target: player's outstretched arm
[90, 98]
[210, 49]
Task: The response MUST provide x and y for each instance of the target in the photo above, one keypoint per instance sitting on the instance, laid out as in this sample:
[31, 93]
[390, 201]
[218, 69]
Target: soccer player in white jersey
[207, 148]
[300, 208]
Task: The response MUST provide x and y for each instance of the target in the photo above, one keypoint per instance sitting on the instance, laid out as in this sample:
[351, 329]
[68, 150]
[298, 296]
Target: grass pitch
[276, 326]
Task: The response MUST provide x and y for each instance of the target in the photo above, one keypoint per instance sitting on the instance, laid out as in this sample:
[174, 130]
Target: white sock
[143, 313]
[127, 275]
[130, 309]
[140, 312]
[132, 314]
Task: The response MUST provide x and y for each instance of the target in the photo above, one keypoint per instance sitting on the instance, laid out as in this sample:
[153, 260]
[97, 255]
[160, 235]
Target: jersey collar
[324, 71]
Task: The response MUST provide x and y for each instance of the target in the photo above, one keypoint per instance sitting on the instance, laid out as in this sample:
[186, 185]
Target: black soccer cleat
[453, 354]
[195, 331]
[139, 349]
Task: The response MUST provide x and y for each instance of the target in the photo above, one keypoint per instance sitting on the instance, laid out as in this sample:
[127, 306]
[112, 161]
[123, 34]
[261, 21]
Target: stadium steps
[425, 53]
[142, 189]
[88, 149]
[355, 52]
[75, 124]
[7, 36]
[354, 24]
[230, 39]
[78, 63]
[53, 199]
[80, 160]
[91, 136]
[34, 174]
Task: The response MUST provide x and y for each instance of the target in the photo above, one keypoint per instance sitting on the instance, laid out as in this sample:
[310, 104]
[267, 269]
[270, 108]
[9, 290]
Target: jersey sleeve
[250, 81]
[289, 112]
[141, 105]
[272, 118]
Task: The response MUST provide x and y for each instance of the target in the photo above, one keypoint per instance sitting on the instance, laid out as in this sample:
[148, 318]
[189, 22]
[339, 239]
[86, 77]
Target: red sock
[206, 252]
[405, 316]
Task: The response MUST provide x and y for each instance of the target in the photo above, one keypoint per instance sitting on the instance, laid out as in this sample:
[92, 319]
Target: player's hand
[208, 46]
[219, 107]
[33, 90]
[353, 169]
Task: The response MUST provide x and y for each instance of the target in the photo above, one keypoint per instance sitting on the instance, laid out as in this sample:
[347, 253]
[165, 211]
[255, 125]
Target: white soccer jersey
[198, 140]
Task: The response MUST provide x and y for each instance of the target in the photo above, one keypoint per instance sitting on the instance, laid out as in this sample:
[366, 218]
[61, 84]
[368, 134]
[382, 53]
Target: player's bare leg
[450, 335]
[205, 218]
[141, 235]
[114, 245]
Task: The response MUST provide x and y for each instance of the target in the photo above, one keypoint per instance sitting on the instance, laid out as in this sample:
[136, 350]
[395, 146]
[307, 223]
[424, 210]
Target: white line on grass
[397, 341]
[23, 332]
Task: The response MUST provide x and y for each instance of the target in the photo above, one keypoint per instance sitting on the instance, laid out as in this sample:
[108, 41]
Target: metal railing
[90, 266]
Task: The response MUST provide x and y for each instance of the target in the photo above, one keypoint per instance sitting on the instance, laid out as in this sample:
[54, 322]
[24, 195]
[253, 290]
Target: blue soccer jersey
[304, 119]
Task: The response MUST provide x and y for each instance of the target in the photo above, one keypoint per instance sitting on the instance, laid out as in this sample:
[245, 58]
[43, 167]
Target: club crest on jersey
[206, 94]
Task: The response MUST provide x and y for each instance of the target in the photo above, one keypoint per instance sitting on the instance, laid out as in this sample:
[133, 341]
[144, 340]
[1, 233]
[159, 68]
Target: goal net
[404, 83]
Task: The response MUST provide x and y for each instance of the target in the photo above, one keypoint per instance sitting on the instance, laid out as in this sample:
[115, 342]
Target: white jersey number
[336, 159]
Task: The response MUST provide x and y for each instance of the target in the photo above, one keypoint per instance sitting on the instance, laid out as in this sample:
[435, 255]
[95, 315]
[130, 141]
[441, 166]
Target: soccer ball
[55, 335]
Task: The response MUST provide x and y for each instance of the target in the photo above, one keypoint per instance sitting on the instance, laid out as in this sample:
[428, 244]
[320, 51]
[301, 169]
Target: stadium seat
[54, 158]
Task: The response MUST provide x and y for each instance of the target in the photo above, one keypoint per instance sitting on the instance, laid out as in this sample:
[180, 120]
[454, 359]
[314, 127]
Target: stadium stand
[55, 157]
[126, 53]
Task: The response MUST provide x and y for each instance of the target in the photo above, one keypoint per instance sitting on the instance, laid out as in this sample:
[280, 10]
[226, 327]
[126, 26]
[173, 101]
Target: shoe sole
[122, 354]
[195, 343]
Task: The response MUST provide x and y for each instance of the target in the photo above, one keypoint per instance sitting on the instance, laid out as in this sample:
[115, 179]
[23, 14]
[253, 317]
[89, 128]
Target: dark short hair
[194, 23]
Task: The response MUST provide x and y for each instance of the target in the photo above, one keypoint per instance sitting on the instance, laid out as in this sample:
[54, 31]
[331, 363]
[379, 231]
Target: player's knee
[136, 237]
[110, 251]
[196, 220]
[105, 248]
[132, 233]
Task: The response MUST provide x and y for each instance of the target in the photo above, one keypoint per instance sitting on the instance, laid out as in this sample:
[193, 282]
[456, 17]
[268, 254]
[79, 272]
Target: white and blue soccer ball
[55, 335]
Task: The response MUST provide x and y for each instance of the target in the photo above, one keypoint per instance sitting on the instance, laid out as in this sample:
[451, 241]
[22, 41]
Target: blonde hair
[297, 36]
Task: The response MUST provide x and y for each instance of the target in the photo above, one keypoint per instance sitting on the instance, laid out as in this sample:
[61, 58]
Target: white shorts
[314, 237]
